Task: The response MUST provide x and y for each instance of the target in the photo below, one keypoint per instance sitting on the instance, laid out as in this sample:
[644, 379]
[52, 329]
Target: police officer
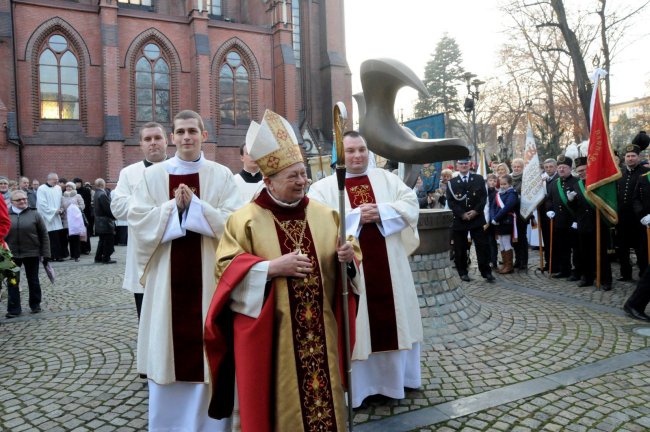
[466, 198]
[557, 205]
[585, 212]
[630, 233]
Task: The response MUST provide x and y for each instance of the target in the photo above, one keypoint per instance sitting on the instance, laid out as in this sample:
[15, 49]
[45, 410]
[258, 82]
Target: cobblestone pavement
[551, 356]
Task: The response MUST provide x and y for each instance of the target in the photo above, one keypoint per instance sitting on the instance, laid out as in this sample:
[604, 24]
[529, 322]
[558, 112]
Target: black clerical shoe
[624, 278]
[606, 286]
[633, 313]
[37, 309]
[109, 262]
[465, 278]
[12, 315]
[488, 277]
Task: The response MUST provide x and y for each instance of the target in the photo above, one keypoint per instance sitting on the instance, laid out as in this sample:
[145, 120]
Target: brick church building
[80, 76]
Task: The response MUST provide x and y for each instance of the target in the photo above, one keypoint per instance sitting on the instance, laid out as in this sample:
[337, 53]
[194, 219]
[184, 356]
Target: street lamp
[470, 103]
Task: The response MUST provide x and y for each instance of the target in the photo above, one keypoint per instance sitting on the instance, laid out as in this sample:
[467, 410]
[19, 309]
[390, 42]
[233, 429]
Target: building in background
[80, 76]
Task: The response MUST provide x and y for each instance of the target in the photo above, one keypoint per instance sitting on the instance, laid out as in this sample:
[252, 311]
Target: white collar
[179, 166]
[281, 203]
[17, 210]
[351, 175]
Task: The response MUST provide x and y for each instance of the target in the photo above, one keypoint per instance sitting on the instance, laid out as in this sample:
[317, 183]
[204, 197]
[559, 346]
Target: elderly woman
[72, 205]
[28, 241]
[4, 190]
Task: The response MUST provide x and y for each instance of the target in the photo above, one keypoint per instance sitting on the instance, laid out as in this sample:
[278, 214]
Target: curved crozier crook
[380, 80]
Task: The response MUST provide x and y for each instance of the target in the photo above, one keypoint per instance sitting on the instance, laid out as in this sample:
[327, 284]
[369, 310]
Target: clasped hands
[183, 196]
[297, 265]
[470, 215]
[369, 213]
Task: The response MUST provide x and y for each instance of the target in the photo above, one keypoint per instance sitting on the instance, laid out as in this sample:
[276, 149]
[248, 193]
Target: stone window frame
[168, 50]
[140, 55]
[58, 55]
[33, 49]
[252, 66]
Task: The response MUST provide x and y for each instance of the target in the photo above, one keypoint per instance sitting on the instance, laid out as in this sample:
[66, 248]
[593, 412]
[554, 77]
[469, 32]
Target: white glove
[571, 195]
[494, 222]
[645, 220]
[574, 225]
[550, 214]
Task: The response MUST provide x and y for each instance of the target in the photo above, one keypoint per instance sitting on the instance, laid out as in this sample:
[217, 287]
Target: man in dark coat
[104, 223]
[637, 303]
[563, 217]
[585, 212]
[466, 198]
[630, 233]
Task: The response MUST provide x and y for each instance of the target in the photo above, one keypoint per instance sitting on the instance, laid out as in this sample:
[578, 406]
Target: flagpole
[598, 263]
[539, 240]
[550, 253]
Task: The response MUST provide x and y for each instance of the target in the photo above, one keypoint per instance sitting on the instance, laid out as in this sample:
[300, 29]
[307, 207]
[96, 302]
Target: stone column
[448, 316]
[200, 64]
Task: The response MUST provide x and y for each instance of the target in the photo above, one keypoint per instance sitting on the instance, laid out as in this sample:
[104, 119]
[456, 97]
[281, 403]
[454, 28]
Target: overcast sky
[409, 30]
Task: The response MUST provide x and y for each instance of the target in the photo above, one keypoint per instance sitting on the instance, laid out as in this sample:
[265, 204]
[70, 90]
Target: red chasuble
[186, 293]
[379, 288]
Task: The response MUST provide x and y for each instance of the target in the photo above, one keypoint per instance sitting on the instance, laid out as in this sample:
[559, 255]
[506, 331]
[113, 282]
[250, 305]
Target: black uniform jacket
[465, 196]
[564, 217]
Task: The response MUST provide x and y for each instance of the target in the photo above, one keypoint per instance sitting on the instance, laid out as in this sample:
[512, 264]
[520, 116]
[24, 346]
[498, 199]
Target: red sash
[379, 286]
[186, 295]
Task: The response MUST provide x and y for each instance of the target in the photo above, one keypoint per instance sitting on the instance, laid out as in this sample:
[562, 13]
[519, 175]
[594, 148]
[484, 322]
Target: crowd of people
[253, 341]
[487, 214]
[53, 222]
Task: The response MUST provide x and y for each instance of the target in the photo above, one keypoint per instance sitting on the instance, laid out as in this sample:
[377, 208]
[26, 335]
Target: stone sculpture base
[448, 316]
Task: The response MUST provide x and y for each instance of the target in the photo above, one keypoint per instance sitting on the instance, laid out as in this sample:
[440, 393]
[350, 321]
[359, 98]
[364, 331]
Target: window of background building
[234, 92]
[295, 19]
[152, 86]
[137, 2]
[214, 7]
[58, 77]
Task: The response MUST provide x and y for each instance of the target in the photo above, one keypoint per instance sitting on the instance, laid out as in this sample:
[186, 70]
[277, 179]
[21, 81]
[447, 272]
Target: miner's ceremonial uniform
[585, 213]
[629, 231]
[465, 193]
[564, 236]
[638, 301]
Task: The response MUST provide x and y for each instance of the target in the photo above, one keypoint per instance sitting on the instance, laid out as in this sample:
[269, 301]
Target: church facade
[81, 76]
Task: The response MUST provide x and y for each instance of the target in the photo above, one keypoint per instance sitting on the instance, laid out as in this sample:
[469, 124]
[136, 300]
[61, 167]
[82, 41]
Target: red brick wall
[275, 85]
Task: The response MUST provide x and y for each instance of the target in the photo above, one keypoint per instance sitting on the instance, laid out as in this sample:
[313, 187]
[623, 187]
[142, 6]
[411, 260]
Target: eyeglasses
[20, 199]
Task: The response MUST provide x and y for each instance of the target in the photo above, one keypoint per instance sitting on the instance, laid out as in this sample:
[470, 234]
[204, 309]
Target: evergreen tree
[442, 74]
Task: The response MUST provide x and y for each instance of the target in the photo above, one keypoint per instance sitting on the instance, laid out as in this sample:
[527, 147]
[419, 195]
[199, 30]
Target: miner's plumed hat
[564, 160]
[580, 161]
[642, 140]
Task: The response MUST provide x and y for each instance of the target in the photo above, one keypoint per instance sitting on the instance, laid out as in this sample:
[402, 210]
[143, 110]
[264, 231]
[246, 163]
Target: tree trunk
[580, 70]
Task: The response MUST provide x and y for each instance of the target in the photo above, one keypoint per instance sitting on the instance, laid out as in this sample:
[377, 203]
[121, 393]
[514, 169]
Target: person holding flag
[532, 189]
[586, 212]
[602, 171]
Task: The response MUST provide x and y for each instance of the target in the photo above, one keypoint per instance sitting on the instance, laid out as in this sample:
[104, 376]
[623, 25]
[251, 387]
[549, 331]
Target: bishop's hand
[292, 264]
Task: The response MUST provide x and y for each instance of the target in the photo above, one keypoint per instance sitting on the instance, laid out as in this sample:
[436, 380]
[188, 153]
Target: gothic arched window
[58, 77]
[234, 91]
[152, 86]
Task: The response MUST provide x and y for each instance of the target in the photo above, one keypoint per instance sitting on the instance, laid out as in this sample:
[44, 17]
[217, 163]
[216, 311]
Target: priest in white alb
[382, 212]
[178, 214]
